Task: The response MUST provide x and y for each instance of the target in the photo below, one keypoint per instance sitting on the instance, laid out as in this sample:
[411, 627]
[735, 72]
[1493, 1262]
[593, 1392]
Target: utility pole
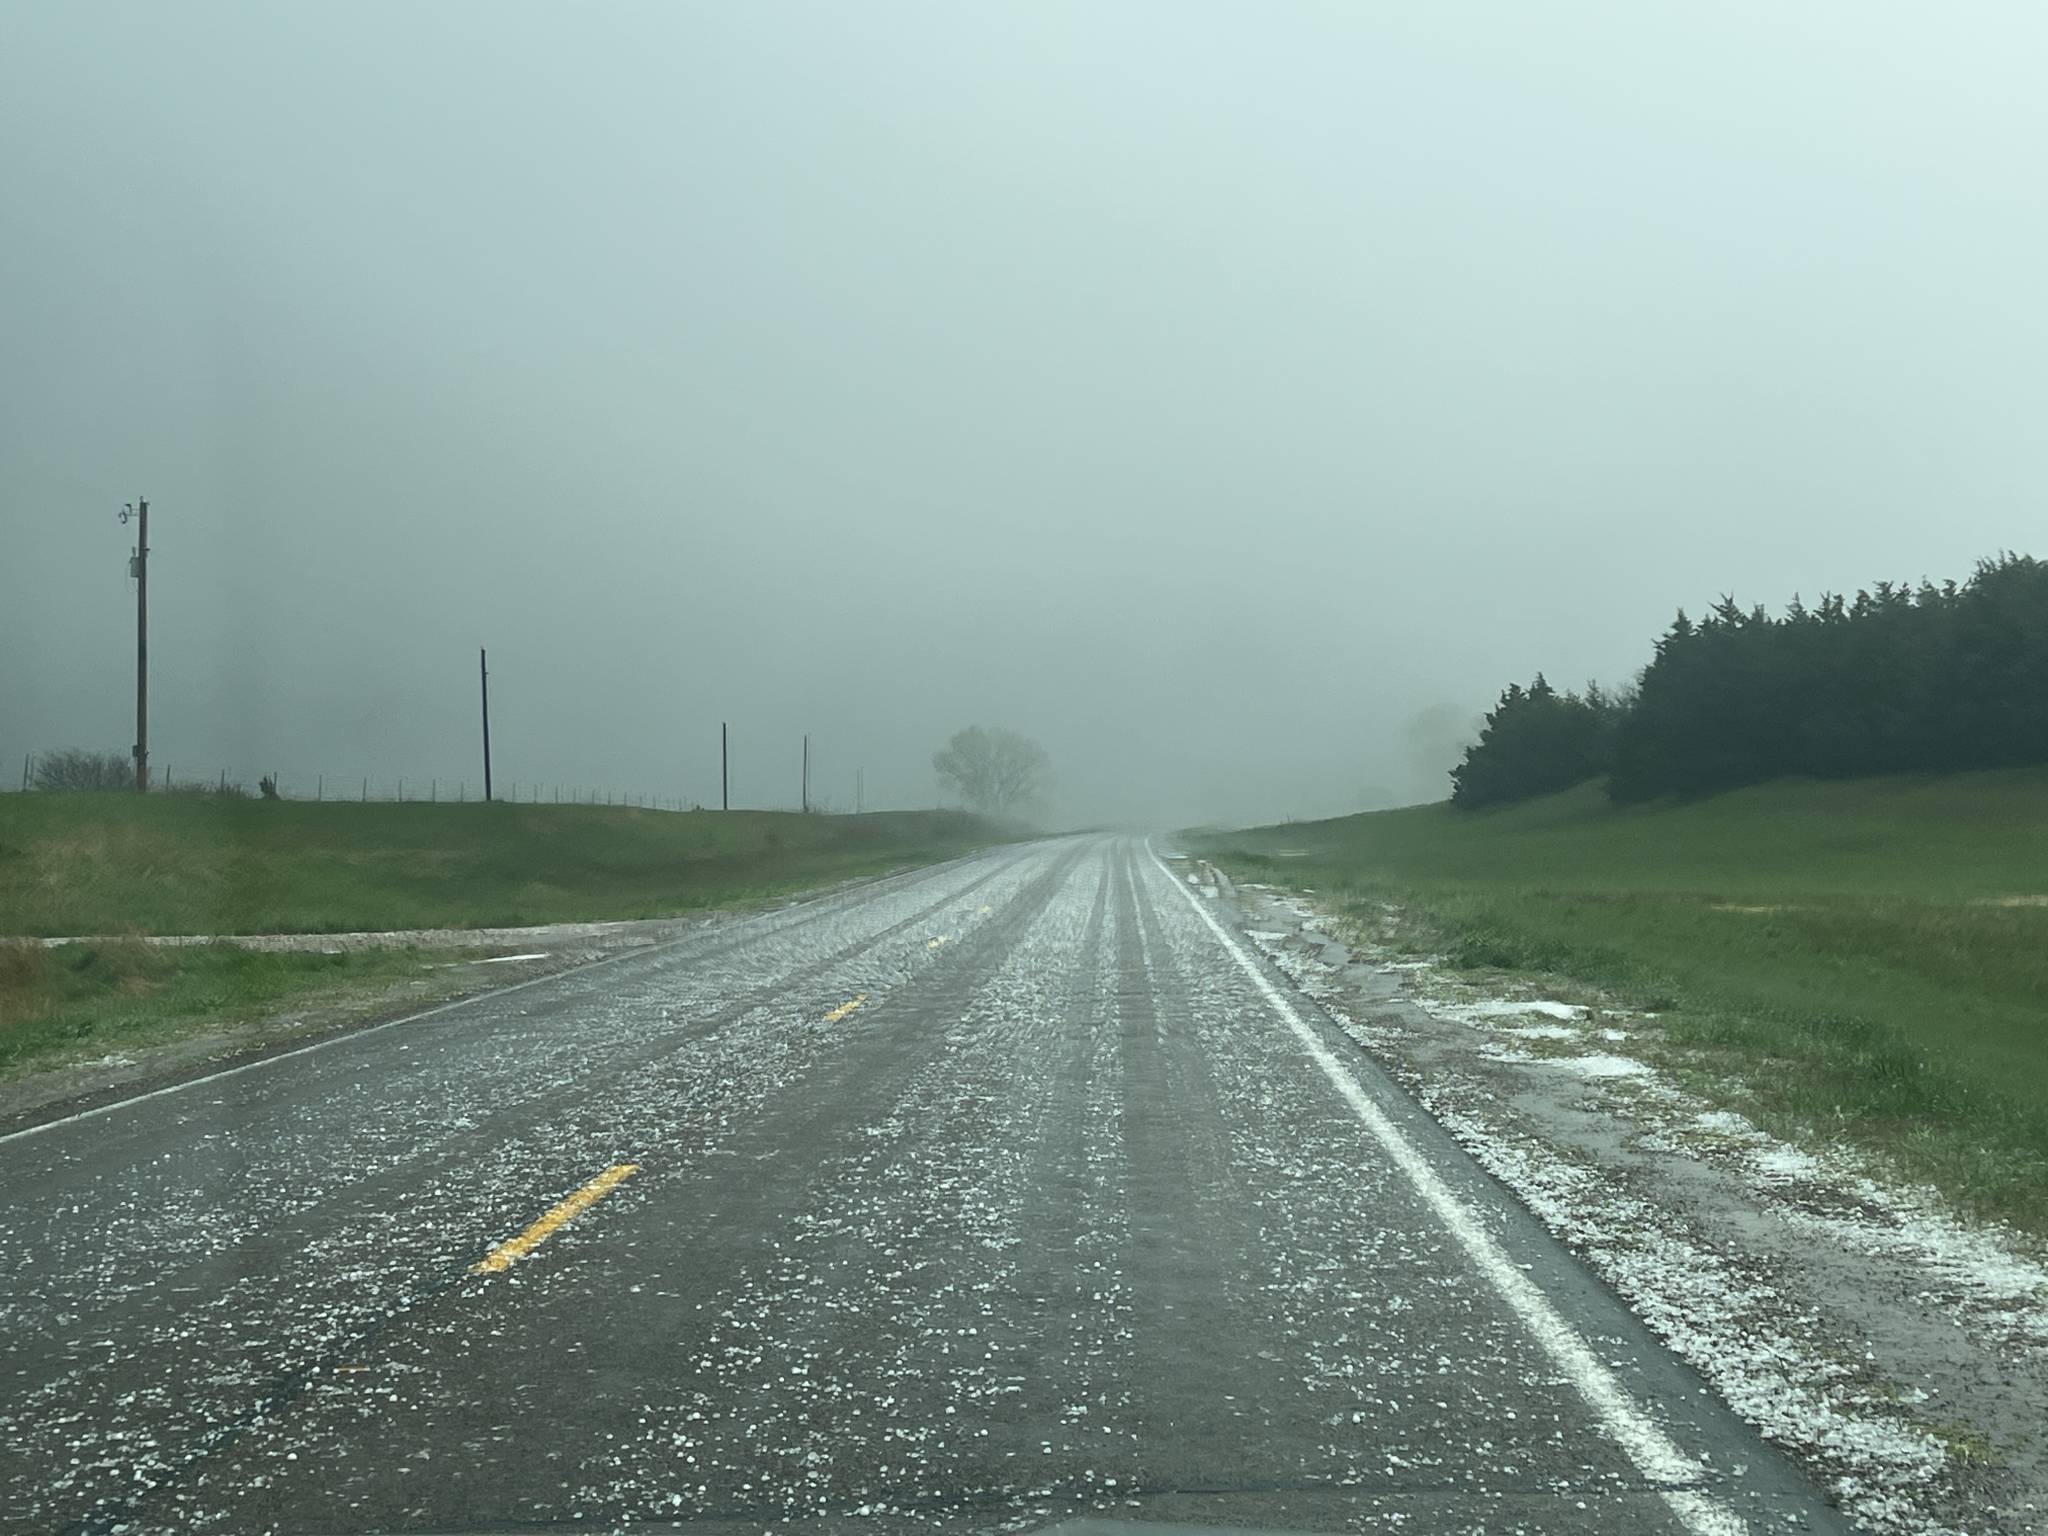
[138, 567]
[724, 771]
[807, 774]
[484, 677]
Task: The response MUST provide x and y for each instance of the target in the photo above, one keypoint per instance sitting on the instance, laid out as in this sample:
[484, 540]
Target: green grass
[127, 866]
[113, 864]
[81, 999]
[1865, 960]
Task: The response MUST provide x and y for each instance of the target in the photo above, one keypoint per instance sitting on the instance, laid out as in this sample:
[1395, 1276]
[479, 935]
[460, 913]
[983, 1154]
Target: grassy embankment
[1865, 960]
[113, 865]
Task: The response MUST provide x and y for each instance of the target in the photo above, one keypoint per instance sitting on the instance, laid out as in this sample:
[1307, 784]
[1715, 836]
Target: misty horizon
[1233, 400]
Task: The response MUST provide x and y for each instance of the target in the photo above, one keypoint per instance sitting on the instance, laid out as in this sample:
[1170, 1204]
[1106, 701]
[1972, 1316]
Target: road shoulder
[446, 966]
[1895, 1351]
[452, 965]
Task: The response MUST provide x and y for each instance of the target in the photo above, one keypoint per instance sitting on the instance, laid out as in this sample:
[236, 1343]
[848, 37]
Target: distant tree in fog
[998, 771]
[1436, 737]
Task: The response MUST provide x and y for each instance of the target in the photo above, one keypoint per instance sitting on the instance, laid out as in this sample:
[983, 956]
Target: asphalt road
[1076, 1210]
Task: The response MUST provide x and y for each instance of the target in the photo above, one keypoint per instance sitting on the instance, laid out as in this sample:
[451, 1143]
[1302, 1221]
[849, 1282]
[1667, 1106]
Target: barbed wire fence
[363, 788]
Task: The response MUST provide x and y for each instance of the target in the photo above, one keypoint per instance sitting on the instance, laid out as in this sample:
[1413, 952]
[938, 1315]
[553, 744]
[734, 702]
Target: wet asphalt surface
[1060, 1219]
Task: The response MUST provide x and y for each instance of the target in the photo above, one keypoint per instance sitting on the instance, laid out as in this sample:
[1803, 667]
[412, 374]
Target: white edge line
[344, 1036]
[1654, 1453]
[340, 1037]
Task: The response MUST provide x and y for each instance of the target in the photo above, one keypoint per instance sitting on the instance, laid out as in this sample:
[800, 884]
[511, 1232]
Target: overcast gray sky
[1232, 397]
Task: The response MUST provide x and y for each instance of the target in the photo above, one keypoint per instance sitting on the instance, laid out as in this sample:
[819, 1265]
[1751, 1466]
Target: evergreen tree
[1535, 742]
[1897, 679]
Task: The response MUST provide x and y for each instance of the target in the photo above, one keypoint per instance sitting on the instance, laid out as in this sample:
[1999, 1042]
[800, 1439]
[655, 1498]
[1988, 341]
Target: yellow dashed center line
[506, 1254]
[845, 1008]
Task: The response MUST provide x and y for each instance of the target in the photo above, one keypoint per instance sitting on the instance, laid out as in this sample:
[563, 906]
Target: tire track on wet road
[1078, 1210]
[225, 1266]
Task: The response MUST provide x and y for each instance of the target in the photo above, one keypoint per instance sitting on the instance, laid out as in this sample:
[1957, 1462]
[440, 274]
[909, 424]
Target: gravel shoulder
[1896, 1350]
[454, 964]
[596, 937]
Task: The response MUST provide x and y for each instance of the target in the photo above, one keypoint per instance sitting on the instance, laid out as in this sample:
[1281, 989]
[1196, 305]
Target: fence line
[169, 777]
[369, 788]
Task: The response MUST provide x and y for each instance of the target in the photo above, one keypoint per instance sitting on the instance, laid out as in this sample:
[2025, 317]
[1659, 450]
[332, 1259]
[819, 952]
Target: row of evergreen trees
[1897, 679]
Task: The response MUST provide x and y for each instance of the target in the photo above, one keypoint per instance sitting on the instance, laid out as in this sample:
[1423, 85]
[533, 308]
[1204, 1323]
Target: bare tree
[996, 771]
[76, 769]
